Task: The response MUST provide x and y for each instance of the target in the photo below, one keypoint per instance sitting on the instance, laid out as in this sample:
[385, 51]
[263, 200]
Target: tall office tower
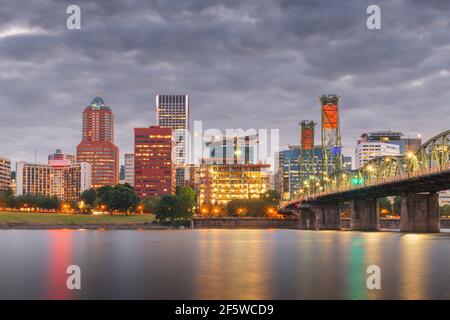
[129, 168]
[59, 155]
[172, 111]
[307, 165]
[331, 134]
[97, 146]
[5, 173]
[154, 173]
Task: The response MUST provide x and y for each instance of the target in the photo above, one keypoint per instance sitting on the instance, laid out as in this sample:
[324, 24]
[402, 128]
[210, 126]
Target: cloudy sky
[245, 64]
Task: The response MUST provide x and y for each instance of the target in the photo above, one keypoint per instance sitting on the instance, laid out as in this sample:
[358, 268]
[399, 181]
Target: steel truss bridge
[427, 170]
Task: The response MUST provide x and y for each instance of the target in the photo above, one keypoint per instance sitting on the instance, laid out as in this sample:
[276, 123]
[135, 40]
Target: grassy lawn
[59, 218]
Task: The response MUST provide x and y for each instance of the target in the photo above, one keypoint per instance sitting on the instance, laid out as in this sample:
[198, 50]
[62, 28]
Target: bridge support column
[328, 218]
[420, 213]
[365, 215]
[307, 219]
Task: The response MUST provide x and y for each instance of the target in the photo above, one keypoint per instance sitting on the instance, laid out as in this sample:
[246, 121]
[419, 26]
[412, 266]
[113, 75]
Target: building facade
[366, 151]
[154, 173]
[221, 183]
[172, 111]
[393, 137]
[129, 168]
[58, 178]
[5, 173]
[226, 150]
[59, 155]
[97, 146]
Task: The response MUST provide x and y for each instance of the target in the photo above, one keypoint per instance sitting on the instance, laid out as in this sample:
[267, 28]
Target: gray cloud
[245, 64]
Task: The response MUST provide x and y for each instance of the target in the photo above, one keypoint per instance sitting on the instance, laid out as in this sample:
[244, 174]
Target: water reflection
[59, 251]
[223, 264]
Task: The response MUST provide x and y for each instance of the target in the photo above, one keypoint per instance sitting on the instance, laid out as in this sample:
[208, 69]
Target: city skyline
[232, 51]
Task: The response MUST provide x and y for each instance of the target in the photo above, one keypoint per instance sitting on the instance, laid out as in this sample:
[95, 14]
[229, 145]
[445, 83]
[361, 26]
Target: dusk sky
[245, 64]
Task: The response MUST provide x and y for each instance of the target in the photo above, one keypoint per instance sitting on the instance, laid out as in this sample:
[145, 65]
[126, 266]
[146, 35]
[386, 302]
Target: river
[223, 264]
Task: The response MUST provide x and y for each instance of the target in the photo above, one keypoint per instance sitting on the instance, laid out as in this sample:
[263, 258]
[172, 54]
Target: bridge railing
[384, 180]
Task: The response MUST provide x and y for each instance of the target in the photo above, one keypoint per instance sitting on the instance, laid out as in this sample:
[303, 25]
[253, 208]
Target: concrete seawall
[251, 223]
[262, 223]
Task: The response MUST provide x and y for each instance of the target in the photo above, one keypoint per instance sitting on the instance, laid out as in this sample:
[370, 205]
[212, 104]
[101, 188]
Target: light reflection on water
[223, 264]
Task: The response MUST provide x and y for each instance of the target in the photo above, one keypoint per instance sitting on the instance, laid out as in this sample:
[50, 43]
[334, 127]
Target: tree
[7, 198]
[385, 206]
[166, 209]
[185, 199]
[149, 205]
[272, 197]
[122, 198]
[88, 196]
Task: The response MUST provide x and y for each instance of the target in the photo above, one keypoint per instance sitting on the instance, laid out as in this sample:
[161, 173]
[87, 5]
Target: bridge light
[357, 181]
[409, 154]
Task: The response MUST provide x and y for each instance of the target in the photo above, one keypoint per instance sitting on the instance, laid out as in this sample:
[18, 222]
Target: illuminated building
[58, 178]
[393, 137]
[220, 183]
[240, 149]
[97, 145]
[129, 168]
[154, 173]
[5, 173]
[172, 111]
[194, 177]
[33, 179]
[59, 155]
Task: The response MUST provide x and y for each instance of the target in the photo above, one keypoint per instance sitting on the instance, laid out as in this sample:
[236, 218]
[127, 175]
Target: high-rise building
[393, 137]
[5, 173]
[59, 155]
[220, 183]
[291, 171]
[172, 111]
[368, 150]
[58, 178]
[239, 149]
[154, 173]
[97, 146]
[129, 168]
[122, 174]
[34, 179]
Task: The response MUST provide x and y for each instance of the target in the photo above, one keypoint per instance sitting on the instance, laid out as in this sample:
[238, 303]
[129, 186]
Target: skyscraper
[129, 168]
[172, 111]
[97, 145]
[154, 173]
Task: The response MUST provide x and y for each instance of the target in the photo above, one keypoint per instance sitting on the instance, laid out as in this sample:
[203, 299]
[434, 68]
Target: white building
[129, 168]
[366, 151]
[59, 178]
[5, 173]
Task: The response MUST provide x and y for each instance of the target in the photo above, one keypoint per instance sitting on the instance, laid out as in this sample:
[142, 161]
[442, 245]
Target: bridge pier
[365, 215]
[420, 213]
[307, 219]
[328, 217]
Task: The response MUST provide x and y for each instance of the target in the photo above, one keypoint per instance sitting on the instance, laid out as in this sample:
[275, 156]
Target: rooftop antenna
[35, 155]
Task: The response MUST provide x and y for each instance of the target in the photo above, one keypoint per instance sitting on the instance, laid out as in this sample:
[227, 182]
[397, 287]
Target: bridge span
[415, 177]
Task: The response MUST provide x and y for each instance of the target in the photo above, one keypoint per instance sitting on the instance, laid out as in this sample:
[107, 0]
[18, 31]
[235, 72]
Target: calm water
[223, 264]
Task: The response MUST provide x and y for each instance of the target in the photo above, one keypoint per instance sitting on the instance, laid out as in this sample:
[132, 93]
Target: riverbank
[34, 220]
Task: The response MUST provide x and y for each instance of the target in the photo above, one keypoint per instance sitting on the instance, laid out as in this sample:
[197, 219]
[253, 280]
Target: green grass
[59, 218]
